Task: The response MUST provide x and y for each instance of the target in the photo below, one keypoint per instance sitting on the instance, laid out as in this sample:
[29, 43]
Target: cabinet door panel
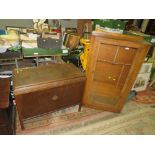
[107, 52]
[125, 55]
[107, 73]
[123, 76]
[103, 99]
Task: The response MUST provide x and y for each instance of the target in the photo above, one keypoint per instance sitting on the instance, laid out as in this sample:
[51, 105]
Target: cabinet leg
[20, 119]
[16, 62]
[21, 124]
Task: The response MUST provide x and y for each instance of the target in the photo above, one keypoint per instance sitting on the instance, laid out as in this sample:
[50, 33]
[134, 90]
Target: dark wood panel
[4, 92]
[2, 117]
[41, 102]
[4, 130]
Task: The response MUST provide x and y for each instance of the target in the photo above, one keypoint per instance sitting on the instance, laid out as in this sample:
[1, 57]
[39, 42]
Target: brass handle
[109, 77]
[127, 48]
[55, 97]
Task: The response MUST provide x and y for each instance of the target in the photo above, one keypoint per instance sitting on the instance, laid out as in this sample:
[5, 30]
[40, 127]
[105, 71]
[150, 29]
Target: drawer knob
[55, 97]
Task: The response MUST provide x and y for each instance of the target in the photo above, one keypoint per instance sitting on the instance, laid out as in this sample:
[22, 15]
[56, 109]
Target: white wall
[16, 22]
[72, 23]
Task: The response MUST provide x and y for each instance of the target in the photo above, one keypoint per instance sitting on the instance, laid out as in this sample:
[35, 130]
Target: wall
[72, 23]
[16, 22]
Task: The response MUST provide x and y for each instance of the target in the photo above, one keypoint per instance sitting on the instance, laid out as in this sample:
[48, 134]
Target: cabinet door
[111, 73]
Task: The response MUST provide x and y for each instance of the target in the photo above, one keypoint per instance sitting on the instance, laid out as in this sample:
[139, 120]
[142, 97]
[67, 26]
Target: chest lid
[32, 76]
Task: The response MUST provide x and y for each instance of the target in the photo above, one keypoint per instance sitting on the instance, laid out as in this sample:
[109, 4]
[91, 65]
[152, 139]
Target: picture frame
[141, 82]
[21, 30]
[146, 68]
[12, 28]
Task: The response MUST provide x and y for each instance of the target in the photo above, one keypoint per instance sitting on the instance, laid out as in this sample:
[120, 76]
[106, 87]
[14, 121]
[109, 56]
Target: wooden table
[9, 55]
[41, 52]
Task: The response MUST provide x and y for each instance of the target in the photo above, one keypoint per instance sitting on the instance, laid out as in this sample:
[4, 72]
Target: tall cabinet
[114, 61]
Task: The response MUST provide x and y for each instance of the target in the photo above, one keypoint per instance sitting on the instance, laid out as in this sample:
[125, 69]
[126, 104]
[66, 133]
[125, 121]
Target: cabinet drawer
[40, 102]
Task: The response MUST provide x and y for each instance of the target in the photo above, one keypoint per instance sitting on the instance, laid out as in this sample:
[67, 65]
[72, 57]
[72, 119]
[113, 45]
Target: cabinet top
[119, 36]
[44, 75]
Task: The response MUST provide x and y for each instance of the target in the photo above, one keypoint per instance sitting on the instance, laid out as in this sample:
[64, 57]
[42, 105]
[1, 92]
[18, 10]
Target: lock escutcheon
[55, 97]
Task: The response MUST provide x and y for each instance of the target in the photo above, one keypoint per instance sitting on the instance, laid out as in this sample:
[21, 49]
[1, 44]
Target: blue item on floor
[2, 31]
[132, 94]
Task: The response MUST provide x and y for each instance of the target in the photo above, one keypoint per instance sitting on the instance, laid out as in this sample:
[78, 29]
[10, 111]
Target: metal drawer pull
[55, 97]
[127, 48]
[109, 77]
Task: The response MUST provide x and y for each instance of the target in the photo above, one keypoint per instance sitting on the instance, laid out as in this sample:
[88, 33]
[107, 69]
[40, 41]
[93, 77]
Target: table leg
[54, 59]
[16, 62]
[19, 109]
[21, 123]
[20, 118]
[37, 61]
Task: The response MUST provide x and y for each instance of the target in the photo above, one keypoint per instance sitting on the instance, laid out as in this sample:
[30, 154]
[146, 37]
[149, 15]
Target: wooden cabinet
[47, 88]
[113, 64]
[7, 108]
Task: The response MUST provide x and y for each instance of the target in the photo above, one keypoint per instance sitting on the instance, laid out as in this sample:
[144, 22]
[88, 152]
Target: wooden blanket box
[43, 89]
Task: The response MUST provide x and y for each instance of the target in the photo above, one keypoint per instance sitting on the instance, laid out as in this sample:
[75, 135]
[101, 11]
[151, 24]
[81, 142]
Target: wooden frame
[21, 30]
[13, 28]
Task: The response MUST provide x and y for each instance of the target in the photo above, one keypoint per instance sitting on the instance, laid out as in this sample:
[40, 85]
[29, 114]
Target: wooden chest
[47, 88]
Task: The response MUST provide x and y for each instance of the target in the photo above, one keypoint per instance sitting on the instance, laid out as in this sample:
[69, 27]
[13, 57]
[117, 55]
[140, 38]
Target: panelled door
[109, 76]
